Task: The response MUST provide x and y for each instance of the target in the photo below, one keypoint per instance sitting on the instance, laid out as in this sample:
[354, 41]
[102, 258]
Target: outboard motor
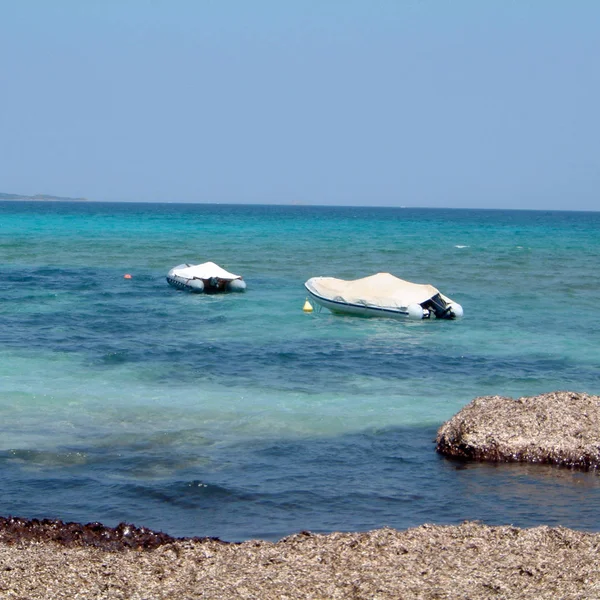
[439, 307]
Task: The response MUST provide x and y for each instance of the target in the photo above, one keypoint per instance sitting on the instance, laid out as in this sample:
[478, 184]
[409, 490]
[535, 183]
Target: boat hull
[368, 311]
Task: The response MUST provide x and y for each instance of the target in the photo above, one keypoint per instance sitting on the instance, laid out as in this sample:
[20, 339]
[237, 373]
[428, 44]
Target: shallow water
[240, 416]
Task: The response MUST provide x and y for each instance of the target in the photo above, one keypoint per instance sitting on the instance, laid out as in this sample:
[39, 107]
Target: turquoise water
[240, 416]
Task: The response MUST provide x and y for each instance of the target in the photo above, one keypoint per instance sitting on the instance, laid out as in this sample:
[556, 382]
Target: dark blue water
[359, 482]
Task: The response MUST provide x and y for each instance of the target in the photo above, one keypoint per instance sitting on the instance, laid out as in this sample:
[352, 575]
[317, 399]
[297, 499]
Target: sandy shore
[466, 561]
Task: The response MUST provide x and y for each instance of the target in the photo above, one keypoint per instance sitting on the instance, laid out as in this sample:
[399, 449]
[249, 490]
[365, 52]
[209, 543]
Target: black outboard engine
[440, 308]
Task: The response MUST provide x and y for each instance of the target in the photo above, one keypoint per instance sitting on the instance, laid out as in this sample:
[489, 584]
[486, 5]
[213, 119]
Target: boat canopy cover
[381, 290]
[204, 271]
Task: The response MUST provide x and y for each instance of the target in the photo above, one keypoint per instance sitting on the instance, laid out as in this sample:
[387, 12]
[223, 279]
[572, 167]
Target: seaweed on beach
[122, 537]
[429, 562]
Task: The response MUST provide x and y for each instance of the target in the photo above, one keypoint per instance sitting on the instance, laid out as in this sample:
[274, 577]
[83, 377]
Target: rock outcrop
[558, 428]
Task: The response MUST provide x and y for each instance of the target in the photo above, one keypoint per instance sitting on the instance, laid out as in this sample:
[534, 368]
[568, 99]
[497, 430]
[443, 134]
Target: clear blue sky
[457, 103]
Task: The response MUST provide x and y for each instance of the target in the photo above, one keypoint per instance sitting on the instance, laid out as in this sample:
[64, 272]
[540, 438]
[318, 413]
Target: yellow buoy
[307, 306]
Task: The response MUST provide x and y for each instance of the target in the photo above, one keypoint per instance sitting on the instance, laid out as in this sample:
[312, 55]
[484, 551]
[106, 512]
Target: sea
[243, 417]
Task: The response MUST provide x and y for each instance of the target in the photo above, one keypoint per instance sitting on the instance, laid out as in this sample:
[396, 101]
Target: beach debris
[557, 428]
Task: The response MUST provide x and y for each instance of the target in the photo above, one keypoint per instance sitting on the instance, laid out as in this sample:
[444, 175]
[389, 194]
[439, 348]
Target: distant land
[40, 197]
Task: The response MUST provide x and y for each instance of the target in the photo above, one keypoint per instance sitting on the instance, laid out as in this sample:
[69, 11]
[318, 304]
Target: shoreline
[470, 560]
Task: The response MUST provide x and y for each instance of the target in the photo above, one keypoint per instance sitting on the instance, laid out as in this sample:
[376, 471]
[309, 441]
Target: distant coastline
[41, 198]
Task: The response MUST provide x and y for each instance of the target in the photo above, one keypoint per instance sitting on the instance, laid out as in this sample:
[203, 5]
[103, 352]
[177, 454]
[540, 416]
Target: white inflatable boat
[206, 278]
[382, 295]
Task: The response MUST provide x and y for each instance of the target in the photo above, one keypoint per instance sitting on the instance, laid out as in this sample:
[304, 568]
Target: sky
[432, 103]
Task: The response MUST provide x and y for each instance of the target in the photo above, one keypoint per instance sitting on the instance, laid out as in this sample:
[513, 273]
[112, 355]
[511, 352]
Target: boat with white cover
[207, 278]
[382, 295]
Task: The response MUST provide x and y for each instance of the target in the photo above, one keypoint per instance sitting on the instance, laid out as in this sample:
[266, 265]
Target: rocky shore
[558, 428]
[50, 559]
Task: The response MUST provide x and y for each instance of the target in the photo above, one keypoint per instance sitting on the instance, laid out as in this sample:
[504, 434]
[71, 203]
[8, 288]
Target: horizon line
[84, 200]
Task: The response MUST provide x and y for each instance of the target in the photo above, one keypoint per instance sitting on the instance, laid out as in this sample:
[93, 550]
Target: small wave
[461, 246]
[186, 494]
[44, 458]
